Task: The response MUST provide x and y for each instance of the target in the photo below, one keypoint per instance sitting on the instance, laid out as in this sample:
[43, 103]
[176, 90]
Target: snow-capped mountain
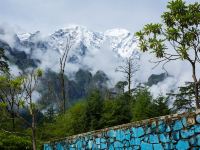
[90, 50]
[120, 40]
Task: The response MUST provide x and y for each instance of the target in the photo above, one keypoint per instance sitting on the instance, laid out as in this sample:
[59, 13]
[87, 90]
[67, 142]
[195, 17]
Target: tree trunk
[33, 131]
[129, 76]
[196, 86]
[63, 90]
[13, 114]
[13, 121]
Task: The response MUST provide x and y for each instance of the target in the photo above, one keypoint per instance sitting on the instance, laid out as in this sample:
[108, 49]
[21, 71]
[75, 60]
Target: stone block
[120, 135]
[177, 125]
[146, 146]
[198, 118]
[182, 145]
[157, 147]
[164, 138]
[153, 138]
[197, 128]
[138, 132]
[175, 136]
[187, 133]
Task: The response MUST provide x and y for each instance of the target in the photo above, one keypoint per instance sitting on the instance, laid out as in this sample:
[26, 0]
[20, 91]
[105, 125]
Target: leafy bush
[13, 142]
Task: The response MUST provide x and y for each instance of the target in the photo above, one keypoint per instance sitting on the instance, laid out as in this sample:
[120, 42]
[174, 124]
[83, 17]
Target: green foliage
[145, 106]
[12, 142]
[72, 122]
[184, 98]
[116, 111]
[180, 32]
[94, 105]
[180, 28]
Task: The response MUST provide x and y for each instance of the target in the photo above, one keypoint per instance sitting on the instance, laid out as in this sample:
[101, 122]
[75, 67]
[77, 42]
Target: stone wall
[179, 131]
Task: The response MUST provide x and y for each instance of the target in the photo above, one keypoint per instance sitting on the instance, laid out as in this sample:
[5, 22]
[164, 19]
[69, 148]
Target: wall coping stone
[190, 119]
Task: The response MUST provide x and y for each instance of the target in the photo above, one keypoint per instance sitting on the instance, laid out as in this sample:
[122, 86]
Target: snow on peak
[117, 32]
[24, 36]
[120, 40]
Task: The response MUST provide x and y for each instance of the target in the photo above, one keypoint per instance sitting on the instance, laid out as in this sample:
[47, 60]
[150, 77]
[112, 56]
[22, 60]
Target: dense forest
[86, 102]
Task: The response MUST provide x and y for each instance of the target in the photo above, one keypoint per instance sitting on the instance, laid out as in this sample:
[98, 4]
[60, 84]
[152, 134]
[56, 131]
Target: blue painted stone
[72, 146]
[103, 146]
[187, 133]
[178, 125]
[103, 140]
[168, 129]
[175, 136]
[153, 125]
[137, 141]
[47, 147]
[182, 145]
[111, 133]
[128, 137]
[132, 142]
[126, 143]
[120, 136]
[157, 147]
[98, 140]
[118, 144]
[161, 128]
[59, 146]
[198, 118]
[197, 128]
[96, 146]
[153, 138]
[184, 122]
[79, 144]
[146, 146]
[111, 140]
[193, 141]
[111, 147]
[146, 138]
[168, 146]
[148, 130]
[136, 147]
[164, 138]
[198, 140]
[90, 143]
[127, 131]
[138, 132]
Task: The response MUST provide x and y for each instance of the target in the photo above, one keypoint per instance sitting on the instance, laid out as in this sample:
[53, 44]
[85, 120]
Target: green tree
[94, 105]
[179, 32]
[9, 141]
[11, 94]
[70, 123]
[184, 98]
[145, 106]
[142, 104]
[160, 106]
[116, 111]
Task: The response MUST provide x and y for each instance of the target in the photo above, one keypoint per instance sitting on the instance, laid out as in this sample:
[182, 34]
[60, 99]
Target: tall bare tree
[129, 68]
[63, 61]
[31, 81]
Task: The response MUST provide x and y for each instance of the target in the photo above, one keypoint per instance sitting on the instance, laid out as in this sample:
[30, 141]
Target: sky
[99, 15]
